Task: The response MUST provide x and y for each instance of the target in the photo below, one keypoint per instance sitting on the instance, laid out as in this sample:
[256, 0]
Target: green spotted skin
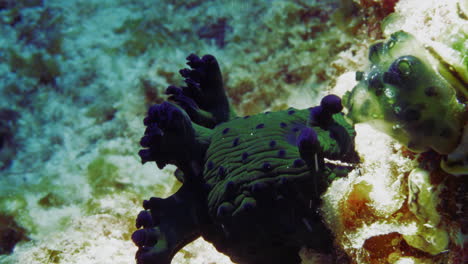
[260, 150]
[243, 147]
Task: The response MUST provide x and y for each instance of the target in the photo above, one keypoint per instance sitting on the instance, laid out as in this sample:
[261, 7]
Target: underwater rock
[401, 206]
[456, 162]
[215, 31]
[8, 128]
[10, 234]
[404, 96]
[252, 184]
[423, 199]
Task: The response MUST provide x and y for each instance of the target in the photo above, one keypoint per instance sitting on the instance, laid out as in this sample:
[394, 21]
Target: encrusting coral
[252, 184]
[406, 97]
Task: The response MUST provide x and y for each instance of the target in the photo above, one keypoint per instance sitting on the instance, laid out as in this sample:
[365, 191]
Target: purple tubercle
[221, 171]
[266, 166]
[235, 142]
[245, 155]
[298, 163]
[209, 165]
[281, 153]
[272, 144]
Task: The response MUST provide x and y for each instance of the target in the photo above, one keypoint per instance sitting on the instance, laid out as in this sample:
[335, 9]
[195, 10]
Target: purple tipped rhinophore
[322, 115]
[331, 104]
[308, 144]
[307, 139]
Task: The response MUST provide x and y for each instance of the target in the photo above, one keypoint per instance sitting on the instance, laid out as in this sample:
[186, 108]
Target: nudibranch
[251, 185]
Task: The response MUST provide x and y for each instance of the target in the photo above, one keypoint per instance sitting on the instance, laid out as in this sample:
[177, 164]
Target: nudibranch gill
[251, 185]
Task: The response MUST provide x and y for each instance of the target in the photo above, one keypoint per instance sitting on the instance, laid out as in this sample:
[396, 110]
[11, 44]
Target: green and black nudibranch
[252, 184]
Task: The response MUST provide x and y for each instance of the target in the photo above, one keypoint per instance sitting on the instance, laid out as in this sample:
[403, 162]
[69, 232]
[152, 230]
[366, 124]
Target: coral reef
[76, 76]
[363, 15]
[404, 204]
[397, 207]
[252, 184]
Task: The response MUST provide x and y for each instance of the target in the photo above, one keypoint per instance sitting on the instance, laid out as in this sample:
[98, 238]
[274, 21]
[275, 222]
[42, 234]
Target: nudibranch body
[252, 184]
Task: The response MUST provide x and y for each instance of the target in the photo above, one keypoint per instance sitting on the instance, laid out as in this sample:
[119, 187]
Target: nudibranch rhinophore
[251, 185]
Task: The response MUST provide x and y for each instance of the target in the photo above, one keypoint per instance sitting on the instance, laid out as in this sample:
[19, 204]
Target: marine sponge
[404, 96]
